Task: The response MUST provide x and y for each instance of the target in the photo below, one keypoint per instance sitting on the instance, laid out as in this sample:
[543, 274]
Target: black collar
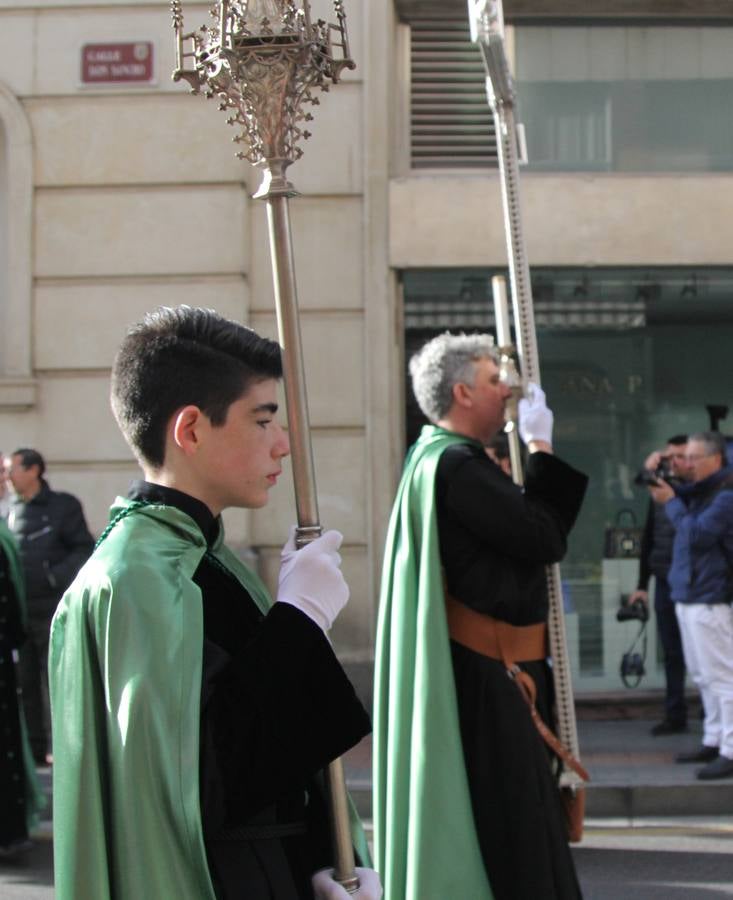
[196, 509]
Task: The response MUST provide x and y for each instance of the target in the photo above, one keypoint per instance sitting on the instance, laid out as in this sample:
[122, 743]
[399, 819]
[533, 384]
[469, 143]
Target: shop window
[628, 357]
[626, 98]
[607, 98]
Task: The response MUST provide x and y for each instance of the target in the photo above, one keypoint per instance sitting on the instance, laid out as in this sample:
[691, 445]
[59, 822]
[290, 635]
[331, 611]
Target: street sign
[128, 63]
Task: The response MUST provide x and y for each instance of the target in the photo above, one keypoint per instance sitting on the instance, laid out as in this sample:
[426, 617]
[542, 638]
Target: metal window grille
[450, 121]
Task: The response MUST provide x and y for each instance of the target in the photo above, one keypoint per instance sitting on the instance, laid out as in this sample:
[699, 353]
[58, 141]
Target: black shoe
[668, 726]
[704, 754]
[722, 767]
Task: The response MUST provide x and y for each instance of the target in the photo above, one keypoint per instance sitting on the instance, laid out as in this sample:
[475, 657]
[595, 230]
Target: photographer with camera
[701, 583]
[667, 465]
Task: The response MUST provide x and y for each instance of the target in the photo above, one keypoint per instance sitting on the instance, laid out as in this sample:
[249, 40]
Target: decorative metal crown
[265, 60]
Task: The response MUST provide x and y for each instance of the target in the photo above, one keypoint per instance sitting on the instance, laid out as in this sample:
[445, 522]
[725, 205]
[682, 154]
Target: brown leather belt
[493, 638]
[509, 644]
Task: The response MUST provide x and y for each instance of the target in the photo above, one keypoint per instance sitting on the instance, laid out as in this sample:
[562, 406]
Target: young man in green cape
[22, 796]
[191, 715]
[465, 801]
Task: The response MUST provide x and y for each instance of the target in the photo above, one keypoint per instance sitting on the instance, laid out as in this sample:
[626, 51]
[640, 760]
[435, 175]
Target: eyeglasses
[695, 457]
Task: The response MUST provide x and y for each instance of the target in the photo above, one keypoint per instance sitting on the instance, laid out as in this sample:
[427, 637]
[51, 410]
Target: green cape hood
[125, 671]
[424, 835]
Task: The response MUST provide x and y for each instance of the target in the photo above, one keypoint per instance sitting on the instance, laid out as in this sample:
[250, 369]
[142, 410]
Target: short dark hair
[180, 356]
[29, 457]
[677, 440]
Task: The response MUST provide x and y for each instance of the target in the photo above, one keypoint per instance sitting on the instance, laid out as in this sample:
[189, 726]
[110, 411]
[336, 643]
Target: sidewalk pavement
[633, 775]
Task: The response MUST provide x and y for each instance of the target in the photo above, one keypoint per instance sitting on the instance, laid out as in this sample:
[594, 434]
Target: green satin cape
[125, 670]
[424, 836]
[35, 798]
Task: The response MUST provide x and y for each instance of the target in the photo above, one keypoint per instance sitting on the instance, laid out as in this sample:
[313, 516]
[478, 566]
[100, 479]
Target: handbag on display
[623, 539]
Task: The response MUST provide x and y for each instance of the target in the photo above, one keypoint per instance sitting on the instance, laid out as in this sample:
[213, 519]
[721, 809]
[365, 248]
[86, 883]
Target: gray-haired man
[701, 582]
[458, 760]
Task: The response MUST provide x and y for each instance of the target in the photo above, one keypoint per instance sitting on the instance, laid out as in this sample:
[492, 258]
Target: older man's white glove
[535, 419]
[311, 578]
[325, 888]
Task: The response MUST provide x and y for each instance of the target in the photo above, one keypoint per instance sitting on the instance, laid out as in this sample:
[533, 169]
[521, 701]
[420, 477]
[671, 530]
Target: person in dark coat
[655, 560]
[22, 798]
[54, 543]
[494, 541]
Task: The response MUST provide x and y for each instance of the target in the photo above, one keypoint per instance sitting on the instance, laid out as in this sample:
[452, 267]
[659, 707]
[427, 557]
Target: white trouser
[707, 642]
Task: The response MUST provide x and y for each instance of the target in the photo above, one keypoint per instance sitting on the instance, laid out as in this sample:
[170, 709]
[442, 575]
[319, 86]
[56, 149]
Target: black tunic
[276, 708]
[12, 772]
[495, 542]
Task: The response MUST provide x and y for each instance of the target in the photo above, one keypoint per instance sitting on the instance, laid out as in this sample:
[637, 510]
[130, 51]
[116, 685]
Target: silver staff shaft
[487, 28]
[276, 192]
[526, 342]
[508, 374]
[265, 64]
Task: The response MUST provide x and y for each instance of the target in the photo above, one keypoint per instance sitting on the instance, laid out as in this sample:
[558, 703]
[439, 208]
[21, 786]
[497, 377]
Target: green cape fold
[424, 836]
[125, 670]
[35, 798]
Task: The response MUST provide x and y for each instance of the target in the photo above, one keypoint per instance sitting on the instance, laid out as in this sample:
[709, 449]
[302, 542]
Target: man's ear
[462, 394]
[189, 425]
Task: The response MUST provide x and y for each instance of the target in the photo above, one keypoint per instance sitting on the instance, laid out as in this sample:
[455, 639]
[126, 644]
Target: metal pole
[527, 351]
[487, 30]
[508, 374]
[519, 278]
[265, 69]
[276, 192]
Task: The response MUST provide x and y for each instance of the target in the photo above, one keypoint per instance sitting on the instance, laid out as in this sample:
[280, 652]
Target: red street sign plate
[117, 63]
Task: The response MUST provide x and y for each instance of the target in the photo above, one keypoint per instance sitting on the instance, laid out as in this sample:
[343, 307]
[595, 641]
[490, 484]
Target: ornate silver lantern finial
[266, 60]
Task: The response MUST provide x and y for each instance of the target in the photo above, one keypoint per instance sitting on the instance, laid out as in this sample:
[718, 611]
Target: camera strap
[641, 636]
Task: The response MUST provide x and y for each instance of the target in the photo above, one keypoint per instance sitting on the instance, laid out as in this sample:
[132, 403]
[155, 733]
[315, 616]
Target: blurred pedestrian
[655, 560]
[22, 798]
[701, 583]
[54, 542]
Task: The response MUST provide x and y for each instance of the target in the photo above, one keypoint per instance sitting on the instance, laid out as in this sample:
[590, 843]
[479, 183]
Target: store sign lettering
[601, 385]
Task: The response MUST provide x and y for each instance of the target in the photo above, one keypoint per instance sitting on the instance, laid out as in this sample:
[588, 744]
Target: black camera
[652, 477]
[632, 666]
[627, 612]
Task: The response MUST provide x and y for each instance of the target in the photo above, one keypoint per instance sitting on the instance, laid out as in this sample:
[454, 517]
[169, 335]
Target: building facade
[118, 197]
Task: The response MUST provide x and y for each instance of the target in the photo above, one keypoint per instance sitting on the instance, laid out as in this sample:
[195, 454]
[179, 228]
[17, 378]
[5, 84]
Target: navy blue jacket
[702, 555]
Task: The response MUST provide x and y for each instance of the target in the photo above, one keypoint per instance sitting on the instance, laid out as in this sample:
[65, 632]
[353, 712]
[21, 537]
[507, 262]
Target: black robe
[495, 541]
[12, 771]
[276, 708]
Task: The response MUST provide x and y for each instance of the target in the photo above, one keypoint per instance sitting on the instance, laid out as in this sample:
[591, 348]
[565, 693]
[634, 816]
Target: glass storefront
[626, 98]
[628, 357]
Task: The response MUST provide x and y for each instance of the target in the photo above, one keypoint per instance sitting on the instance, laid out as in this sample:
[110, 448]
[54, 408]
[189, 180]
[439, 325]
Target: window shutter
[450, 121]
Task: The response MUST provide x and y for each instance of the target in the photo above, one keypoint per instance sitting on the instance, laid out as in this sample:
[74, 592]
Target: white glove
[325, 888]
[535, 419]
[311, 579]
